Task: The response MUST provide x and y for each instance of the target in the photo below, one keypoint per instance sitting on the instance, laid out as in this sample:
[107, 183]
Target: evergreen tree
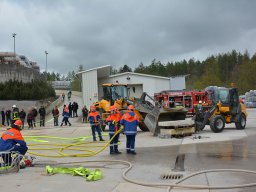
[140, 68]
[125, 68]
[211, 75]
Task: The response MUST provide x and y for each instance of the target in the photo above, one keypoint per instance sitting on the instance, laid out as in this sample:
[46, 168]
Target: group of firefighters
[128, 122]
[12, 139]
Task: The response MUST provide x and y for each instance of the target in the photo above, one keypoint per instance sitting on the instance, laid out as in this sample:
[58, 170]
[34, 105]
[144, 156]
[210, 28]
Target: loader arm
[201, 118]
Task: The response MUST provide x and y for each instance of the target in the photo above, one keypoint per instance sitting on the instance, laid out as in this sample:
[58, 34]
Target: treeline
[220, 70]
[17, 90]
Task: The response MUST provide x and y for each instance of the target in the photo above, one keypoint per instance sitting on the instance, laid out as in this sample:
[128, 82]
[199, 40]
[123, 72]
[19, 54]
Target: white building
[137, 83]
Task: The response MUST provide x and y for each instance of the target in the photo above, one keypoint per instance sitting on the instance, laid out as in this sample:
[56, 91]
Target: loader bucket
[160, 114]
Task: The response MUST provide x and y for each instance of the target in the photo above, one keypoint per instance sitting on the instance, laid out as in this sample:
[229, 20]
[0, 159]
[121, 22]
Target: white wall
[90, 87]
[150, 84]
[135, 90]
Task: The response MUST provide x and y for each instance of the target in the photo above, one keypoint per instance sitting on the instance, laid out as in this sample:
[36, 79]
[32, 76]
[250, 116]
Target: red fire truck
[188, 99]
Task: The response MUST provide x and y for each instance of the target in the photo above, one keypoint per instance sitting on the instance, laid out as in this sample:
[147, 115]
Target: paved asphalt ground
[231, 149]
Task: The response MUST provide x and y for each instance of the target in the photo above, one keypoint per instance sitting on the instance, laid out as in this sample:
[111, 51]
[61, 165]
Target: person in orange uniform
[12, 140]
[130, 121]
[113, 121]
[94, 119]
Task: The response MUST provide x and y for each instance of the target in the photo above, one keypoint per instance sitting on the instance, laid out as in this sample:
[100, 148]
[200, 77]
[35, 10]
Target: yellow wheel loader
[223, 108]
[117, 95]
[150, 113]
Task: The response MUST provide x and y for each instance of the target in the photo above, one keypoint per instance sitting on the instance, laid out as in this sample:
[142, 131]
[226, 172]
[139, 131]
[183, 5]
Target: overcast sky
[95, 33]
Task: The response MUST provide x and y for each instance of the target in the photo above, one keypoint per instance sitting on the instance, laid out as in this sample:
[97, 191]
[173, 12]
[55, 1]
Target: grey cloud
[99, 32]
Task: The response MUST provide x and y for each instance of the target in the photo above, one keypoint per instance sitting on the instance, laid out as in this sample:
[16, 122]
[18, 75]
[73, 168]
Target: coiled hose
[63, 147]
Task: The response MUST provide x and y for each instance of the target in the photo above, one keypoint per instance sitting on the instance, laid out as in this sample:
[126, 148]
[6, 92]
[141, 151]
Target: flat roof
[104, 71]
[139, 74]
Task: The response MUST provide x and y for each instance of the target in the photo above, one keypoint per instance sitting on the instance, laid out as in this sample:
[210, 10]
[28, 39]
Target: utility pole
[46, 53]
[13, 35]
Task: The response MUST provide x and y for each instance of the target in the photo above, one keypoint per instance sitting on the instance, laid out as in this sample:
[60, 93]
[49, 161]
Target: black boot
[94, 139]
[101, 139]
[116, 149]
[118, 152]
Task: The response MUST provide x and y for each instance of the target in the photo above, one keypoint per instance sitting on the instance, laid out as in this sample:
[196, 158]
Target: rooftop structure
[17, 67]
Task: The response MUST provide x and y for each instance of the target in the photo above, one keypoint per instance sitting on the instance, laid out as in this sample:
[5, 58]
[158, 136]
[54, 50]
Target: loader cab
[217, 94]
[113, 92]
[227, 96]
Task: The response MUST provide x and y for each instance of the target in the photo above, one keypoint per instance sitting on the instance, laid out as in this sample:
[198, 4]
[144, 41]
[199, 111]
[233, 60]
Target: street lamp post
[46, 53]
[13, 35]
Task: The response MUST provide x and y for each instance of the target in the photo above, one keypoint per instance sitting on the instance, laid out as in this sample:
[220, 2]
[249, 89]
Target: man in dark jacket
[55, 114]
[22, 115]
[70, 109]
[8, 116]
[85, 114]
[34, 111]
[42, 114]
[30, 118]
[75, 108]
[3, 117]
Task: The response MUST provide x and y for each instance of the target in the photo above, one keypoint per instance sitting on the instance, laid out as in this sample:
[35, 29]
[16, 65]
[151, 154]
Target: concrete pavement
[233, 149]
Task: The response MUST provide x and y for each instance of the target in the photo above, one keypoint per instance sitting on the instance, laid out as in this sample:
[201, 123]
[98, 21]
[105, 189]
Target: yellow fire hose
[70, 146]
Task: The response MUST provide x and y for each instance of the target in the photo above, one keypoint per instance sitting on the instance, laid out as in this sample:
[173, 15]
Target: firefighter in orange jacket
[94, 119]
[130, 121]
[12, 140]
[113, 121]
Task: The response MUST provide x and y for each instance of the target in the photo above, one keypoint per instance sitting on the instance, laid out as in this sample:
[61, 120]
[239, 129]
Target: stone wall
[17, 72]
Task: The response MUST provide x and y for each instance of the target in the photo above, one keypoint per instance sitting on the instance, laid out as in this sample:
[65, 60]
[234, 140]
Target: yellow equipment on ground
[224, 107]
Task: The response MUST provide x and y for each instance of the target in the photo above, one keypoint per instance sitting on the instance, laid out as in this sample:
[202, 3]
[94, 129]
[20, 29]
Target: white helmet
[14, 106]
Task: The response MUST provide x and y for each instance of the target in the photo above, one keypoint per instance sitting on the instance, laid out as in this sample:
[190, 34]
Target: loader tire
[242, 122]
[217, 123]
